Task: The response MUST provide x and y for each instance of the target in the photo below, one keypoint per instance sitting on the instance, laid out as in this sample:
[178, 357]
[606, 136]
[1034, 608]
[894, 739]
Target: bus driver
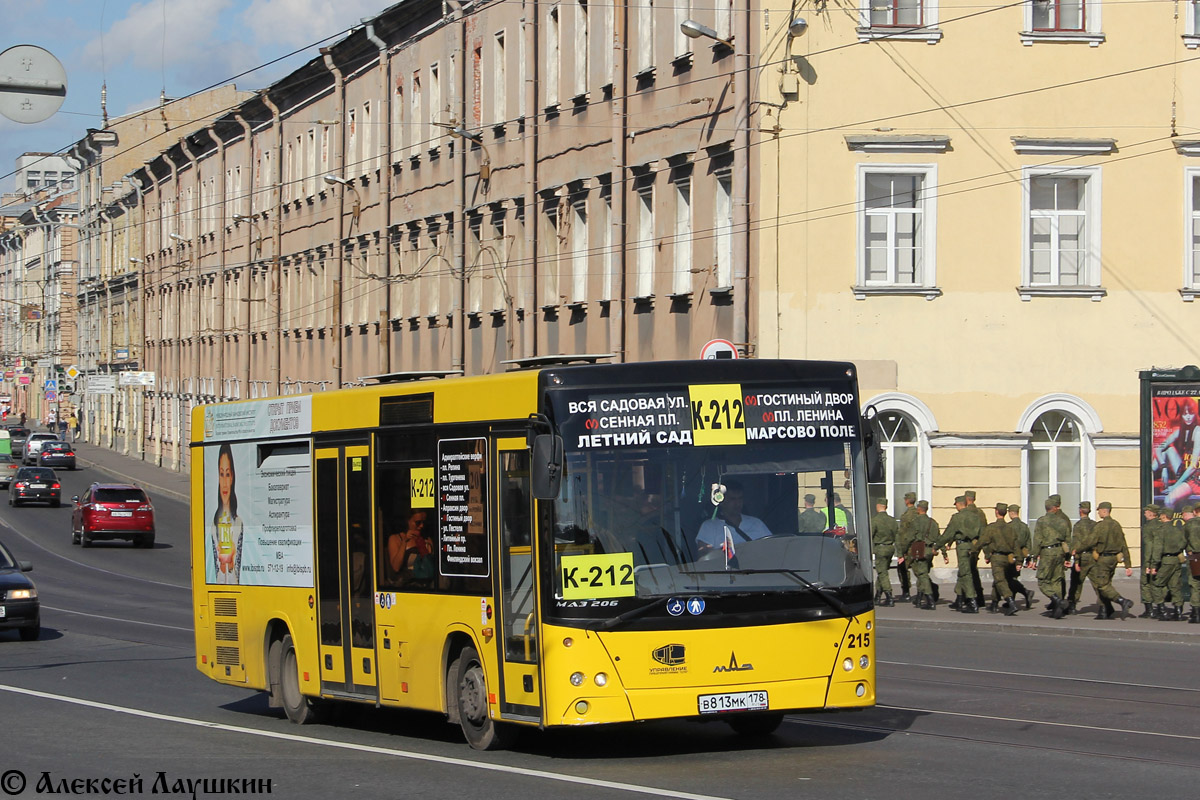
[742, 527]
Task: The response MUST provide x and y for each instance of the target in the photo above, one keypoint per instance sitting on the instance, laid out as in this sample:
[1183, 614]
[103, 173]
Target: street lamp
[694, 30]
[348, 183]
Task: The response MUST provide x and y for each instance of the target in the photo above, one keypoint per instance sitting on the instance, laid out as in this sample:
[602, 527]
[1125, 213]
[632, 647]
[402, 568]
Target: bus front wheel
[763, 723]
[299, 709]
[471, 697]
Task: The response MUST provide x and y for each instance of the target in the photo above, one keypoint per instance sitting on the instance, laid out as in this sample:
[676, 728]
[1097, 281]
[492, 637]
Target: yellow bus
[567, 545]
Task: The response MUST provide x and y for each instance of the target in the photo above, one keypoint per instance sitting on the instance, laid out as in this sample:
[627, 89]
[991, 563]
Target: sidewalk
[1083, 624]
[117, 467]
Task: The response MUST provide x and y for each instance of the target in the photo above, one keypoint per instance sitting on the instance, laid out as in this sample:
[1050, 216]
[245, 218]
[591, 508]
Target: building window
[683, 44]
[644, 280]
[415, 118]
[1191, 270]
[499, 96]
[645, 35]
[579, 249]
[1062, 21]
[1059, 15]
[435, 104]
[681, 179]
[33, 178]
[608, 257]
[581, 48]
[899, 20]
[723, 227]
[1054, 462]
[896, 13]
[723, 16]
[901, 461]
[1062, 228]
[553, 58]
[368, 140]
[896, 221]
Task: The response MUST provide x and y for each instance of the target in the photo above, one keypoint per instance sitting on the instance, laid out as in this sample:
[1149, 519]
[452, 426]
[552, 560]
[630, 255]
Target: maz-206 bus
[564, 546]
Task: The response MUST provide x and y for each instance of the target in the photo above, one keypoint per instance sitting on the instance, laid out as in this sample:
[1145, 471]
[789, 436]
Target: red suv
[113, 511]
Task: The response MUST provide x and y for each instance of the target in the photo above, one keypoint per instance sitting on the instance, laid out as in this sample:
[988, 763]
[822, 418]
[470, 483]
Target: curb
[1041, 630]
[183, 498]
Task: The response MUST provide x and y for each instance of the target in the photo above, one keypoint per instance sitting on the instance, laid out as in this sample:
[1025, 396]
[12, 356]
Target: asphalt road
[110, 692]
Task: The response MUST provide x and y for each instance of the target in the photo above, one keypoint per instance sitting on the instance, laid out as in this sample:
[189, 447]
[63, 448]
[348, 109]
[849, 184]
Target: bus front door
[520, 685]
[346, 612]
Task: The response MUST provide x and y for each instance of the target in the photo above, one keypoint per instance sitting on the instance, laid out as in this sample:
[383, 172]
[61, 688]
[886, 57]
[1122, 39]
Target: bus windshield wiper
[632, 613]
[823, 592]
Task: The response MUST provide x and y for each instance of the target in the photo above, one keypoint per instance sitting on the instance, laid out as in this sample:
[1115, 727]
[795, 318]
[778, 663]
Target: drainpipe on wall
[618, 191]
[141, 264]
[741, 185]
[244, 313]
[177, 444]
[274, 306]
[529, 296]
[385, 186]
[339, 247]
[222, 222]
[458, 228]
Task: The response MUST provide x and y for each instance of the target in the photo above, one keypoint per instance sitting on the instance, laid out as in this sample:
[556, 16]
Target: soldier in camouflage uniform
[1165, 559]
[924, 529]
[999, 546]
[962, 531]
[811, 520]
[1079, 531]
[1024, 552]
[883, 545]
[1106, 540]
[1057, 500]
[1050, 541]
[910, 511]
[1191, 530]
[1150, 535]
[981, 515]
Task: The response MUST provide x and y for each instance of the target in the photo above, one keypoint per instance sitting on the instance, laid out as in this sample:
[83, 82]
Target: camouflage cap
[881, 501]
[1189, 508]
[960, 499]
[923, 505]
[1085, 505]
[1002, 508]
[1014, 507]
[1165, 511]
[969, 494]
[1151, 508]
[910, 496]
[1107, 506]
[810, 498]
[1055, 498]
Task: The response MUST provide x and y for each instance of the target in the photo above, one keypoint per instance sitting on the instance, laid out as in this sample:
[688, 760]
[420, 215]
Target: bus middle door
[346, 613]
[520, 689]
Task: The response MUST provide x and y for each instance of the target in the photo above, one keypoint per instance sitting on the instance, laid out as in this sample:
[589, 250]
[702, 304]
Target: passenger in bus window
[227, 525]
[742, 527]
[410, 553]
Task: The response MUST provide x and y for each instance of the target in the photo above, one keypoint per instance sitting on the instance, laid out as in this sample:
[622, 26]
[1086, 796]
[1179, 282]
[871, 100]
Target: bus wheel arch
[273, 658]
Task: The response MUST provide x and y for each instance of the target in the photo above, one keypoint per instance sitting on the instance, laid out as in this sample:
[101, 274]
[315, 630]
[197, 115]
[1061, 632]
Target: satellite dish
[33, 84]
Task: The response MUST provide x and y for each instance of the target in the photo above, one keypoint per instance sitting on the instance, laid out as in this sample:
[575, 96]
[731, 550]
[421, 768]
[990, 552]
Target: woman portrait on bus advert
[227, 526]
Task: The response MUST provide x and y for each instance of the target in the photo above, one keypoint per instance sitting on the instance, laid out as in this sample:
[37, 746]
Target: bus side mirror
[873, 446]
[546, 469]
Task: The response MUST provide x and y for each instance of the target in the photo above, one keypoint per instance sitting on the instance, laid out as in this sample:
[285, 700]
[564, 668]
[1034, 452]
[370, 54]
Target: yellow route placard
[717, 414]
[593, 576]
[421, 492]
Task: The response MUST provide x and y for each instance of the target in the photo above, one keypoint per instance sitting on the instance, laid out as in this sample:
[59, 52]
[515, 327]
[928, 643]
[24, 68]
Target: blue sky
[127, 44]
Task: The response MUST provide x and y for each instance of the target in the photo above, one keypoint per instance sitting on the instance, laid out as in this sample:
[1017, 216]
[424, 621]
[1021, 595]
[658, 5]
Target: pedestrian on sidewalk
[1150, 535]
[910, 511]
[1079, 532]
[1051, 536]
[73, 426]
[918, 544]
[1166, 559]
[883, 545]
[999, 546]
[963, 532]
[1191, 528]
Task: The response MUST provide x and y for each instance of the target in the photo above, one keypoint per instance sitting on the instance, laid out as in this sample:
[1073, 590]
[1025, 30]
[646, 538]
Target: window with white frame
[723, 224]
[398, 132]
[553, 56]
[435, 105]
[1191, 31]
[902, 459]
[368, 140]
[723, 17]
[420, 132]
[608, 258]
[683, 44]
[499, 94]
[1191, 270]
[581, 48]
[1062, 21]
[899, 20]
[1062, 228]
[644, 279]
[351, 156]
[896, 222]
[579, 248]
[681, 180]
[1054, 462]
[645, 35]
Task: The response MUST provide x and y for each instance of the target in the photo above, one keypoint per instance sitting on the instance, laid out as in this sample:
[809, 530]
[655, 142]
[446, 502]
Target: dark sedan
[35, 485]
[56, 454]
[18, 597]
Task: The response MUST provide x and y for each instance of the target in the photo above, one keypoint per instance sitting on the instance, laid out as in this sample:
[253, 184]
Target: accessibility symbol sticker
[674, 606]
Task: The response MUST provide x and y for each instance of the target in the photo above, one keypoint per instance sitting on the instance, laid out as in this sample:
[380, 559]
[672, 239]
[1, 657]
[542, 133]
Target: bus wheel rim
[474, 708]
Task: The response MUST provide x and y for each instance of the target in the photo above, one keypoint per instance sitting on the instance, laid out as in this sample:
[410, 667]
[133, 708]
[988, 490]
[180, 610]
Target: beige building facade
[995, 212]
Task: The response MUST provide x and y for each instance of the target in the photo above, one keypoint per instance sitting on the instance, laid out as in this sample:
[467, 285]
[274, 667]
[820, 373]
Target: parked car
[113, 511]
[36, 485]
[56, 454]
[18, 597]
[33, 446]
[17, 434]
[8, 468]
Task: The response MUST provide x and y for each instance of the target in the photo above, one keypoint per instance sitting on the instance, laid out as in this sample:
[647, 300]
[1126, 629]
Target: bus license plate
[733, 701]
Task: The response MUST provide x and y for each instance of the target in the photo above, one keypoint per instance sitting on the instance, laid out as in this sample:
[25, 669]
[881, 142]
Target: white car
[33, 445]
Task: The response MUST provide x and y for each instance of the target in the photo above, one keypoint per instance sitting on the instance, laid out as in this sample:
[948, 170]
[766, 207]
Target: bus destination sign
[703, 415]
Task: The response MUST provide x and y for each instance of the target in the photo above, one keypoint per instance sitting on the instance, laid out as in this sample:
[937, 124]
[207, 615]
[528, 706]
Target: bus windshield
[707, 520]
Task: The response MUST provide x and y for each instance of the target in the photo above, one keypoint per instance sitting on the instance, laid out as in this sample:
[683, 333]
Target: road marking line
[1038, 675]
[1039, 722]
[119, 619]
[362, 748]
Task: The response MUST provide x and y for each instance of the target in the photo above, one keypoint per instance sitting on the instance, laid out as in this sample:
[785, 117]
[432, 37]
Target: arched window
[901, 450]
[1055, 462]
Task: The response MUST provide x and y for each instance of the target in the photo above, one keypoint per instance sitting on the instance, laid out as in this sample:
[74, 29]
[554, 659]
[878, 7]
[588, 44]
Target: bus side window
[516, 555]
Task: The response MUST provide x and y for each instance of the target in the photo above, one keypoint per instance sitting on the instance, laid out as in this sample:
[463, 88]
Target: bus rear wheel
[299, 709]
[471, 697]
[760, 724]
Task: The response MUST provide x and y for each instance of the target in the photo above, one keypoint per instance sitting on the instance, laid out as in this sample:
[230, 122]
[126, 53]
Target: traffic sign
[72, 372]
[718, 348]
[51, 397]
[51, 385]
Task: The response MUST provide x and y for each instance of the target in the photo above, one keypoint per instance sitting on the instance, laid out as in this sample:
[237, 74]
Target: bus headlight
[601, 679]
[848, 664]
[864, 662]
[577, 678]
[860, 690]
